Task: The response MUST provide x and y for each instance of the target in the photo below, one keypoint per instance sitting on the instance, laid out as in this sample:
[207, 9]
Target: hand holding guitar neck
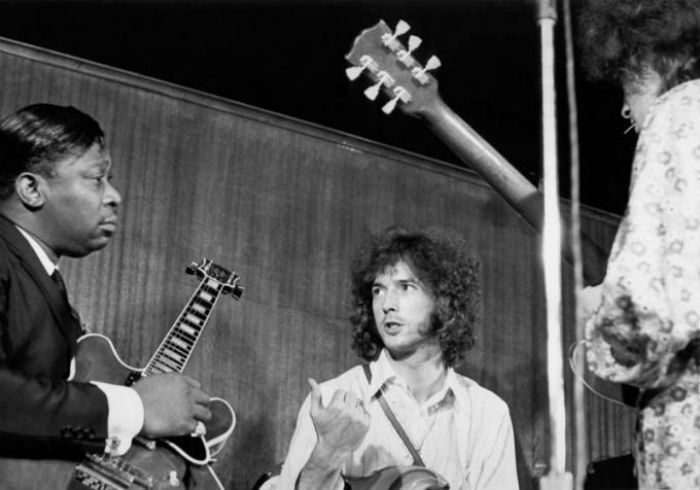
[173, 404]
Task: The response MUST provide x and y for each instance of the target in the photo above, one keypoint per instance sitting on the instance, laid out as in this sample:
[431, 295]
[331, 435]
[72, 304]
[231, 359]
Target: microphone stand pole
[557, 478]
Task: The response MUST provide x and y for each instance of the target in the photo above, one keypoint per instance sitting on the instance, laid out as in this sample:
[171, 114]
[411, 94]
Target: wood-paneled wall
[285, 203]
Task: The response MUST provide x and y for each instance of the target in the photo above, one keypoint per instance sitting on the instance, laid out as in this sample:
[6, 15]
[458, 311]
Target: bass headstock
[379, 54]
[208, 270]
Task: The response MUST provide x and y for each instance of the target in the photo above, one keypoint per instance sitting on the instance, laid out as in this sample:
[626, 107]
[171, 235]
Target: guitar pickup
[106, 473]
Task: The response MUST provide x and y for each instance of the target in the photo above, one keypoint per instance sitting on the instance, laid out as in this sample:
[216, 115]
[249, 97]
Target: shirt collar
[383, 373]
[49, 266]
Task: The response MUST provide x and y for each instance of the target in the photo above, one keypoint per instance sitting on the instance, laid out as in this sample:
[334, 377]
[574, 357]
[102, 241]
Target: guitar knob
[173, 479]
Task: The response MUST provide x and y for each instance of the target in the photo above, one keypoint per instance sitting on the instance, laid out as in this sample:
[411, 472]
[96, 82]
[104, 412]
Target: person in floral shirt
[644, 326]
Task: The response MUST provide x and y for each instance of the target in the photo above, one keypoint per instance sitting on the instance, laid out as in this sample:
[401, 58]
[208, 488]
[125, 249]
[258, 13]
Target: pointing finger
[316, 402]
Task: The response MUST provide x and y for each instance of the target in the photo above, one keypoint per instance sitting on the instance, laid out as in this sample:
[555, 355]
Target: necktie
[58, 280]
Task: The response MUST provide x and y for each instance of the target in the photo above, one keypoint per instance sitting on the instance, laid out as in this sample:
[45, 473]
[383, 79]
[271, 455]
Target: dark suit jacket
[41, 414]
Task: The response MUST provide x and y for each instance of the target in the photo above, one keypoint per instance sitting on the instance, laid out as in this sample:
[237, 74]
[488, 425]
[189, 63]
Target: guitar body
[97, 360]
[159, 464]
[399, 478]
[389, 478]
[166, 470]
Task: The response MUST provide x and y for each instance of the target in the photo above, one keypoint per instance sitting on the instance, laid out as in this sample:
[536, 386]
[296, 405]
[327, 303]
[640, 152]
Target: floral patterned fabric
[647, 326]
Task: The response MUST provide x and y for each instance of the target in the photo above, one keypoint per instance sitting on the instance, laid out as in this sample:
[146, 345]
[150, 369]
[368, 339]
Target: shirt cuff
[125, 417]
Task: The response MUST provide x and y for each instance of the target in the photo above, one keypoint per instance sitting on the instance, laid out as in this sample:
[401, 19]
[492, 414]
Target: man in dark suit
[56, 200]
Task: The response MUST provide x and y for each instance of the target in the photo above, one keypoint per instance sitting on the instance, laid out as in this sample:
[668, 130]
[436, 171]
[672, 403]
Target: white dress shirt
[463, 432]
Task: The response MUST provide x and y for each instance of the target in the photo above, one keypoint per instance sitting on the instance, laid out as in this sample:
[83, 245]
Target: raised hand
[173, 404]
[341, 425]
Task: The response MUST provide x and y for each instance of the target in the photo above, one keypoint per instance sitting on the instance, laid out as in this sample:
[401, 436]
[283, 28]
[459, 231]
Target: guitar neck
[177, 346]
[519, 192]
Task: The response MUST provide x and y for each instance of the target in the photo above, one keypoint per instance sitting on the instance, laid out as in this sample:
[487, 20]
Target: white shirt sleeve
[125, 418]
[499, 471]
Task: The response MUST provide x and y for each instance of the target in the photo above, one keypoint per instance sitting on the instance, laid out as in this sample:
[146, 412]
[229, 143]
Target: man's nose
[112, 196]
[389, 302]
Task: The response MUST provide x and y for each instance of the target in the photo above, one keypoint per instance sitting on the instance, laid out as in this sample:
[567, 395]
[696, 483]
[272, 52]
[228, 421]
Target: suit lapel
[60, 308]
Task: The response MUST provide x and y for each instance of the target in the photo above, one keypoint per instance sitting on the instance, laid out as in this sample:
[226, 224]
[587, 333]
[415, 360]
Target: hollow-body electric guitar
[391, 478]
[156, 464]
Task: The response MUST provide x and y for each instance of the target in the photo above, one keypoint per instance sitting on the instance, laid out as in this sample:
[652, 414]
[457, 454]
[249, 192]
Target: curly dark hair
[440, 260]
[619, 39]
[37, 136]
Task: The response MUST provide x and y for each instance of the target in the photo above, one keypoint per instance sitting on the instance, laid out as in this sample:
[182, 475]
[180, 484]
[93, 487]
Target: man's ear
[29, 191]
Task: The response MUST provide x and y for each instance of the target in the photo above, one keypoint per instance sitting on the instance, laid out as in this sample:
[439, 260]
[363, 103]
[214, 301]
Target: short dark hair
[620, 38]
[440, 260]
[35, 137]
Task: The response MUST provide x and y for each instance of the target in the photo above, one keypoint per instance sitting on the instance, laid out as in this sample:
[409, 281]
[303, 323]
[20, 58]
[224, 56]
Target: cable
[573, 352]
[216, 478]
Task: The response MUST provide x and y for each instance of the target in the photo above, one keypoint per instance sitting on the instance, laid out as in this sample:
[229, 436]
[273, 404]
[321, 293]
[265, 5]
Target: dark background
[288, 57]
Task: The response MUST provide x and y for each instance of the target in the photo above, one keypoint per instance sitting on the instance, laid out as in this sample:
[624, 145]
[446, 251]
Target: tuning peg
[413, 43]
[390, 40]
[420, 73]
[404, 56]
[402, 27]
[235, 289]
[372, 92]
[237, 292]
[366, 62]
[383, 78]
[433, 63]
[354, 71]
[390, 106]
[192, 268]
[401, 94]
[198, 269]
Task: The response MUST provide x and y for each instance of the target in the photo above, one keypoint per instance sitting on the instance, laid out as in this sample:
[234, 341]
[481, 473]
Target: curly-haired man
[416, 302]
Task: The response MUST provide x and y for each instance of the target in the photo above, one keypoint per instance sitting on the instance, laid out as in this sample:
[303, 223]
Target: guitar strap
[417, 460]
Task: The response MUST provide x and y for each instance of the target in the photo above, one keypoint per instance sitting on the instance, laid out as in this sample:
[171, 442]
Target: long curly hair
[620, 39]
[440, 260]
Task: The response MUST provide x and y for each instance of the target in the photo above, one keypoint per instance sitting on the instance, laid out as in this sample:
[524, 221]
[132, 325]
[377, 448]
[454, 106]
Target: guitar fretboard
[174, 351]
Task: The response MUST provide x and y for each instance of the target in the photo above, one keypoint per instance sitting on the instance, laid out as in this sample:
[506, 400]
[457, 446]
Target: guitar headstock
[378, 53]
[209, 270]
